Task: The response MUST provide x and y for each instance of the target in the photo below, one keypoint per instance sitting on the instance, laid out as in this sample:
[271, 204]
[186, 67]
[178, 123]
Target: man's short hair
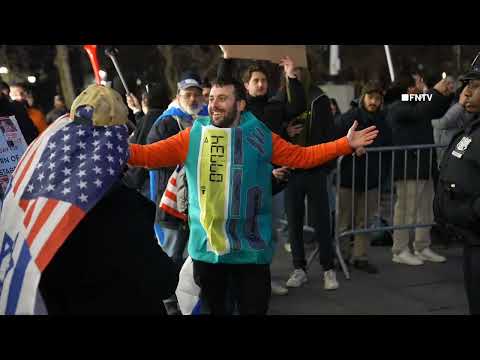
[254, 68]
[239, 90]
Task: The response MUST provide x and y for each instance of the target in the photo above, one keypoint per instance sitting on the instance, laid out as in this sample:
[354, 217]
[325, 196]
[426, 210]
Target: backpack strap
[179, 123]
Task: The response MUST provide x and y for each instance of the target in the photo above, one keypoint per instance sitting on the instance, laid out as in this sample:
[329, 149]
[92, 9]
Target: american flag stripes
[168, 202]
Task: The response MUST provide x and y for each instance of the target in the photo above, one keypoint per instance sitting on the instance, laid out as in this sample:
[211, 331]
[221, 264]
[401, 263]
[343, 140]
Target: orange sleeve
[163, 153]
[38, 120]
[287, 154]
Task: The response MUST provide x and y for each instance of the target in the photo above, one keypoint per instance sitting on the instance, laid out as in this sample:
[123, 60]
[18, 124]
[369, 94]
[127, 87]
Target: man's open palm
[360, 138]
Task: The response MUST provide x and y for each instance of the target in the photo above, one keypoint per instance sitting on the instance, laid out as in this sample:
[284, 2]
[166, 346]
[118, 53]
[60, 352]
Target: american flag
[168, 202]
[59, 179]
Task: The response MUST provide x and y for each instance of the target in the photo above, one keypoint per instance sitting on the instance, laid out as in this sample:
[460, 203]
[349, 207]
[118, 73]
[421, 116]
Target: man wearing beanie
[368, 113]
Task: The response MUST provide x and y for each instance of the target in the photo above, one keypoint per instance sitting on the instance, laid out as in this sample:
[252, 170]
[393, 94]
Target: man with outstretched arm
[228, 157]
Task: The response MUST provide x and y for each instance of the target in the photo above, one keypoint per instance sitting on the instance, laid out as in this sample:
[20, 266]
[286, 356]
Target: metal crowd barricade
[367, 226]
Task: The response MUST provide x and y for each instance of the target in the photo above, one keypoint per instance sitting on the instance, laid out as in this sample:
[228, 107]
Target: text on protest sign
[12, 147]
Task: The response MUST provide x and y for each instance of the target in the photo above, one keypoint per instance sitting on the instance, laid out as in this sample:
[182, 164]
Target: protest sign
[272, 53]
[12, 147]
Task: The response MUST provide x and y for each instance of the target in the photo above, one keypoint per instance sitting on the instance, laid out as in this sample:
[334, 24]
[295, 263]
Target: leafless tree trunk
[176, 59]
[169, 69]
[65, 75]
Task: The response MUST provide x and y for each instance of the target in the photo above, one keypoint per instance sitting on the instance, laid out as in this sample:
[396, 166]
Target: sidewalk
[429, 289]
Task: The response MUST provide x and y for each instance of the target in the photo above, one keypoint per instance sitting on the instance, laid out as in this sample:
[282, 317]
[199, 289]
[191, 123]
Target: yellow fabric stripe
[213, 187]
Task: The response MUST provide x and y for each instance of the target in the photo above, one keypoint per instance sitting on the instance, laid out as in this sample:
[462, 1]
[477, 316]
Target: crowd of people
[210, 173]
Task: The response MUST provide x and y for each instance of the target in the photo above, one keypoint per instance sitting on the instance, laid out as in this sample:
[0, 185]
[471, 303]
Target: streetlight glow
[32, 79]
[3, 70]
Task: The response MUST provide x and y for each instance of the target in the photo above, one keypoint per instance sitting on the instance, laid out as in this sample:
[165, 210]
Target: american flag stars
[79, 163]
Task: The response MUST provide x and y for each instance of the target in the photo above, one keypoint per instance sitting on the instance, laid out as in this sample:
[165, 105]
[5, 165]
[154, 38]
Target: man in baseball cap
[180, 115]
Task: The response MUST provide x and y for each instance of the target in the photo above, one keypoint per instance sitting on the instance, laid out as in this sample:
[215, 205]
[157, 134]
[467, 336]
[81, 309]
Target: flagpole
[92, 55]
[334, 60]
[389, 61]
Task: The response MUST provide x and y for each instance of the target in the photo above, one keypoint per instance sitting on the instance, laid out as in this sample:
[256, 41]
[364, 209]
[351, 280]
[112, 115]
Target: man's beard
[228, 118]
[190, 110]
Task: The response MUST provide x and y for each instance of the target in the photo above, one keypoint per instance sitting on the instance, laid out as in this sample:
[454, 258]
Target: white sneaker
[288, 247]
[428, 255]
[278, 289]
[297, 279]
[330, 280]
[406, 257]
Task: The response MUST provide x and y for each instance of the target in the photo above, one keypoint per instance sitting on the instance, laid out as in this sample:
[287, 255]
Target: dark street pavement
[429, 289]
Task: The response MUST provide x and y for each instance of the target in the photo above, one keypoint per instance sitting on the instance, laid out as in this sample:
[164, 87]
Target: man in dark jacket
[457, 200]
[20, 94]
[312, 127]
[355, 184]
[411, 125]
[154, 102]
[9, 108]
[275, 113]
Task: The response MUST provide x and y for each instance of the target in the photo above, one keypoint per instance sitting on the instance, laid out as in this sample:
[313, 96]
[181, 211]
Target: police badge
[462, 145]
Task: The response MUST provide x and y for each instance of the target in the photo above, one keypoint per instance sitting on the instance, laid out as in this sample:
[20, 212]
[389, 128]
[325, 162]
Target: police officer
[457, 200]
